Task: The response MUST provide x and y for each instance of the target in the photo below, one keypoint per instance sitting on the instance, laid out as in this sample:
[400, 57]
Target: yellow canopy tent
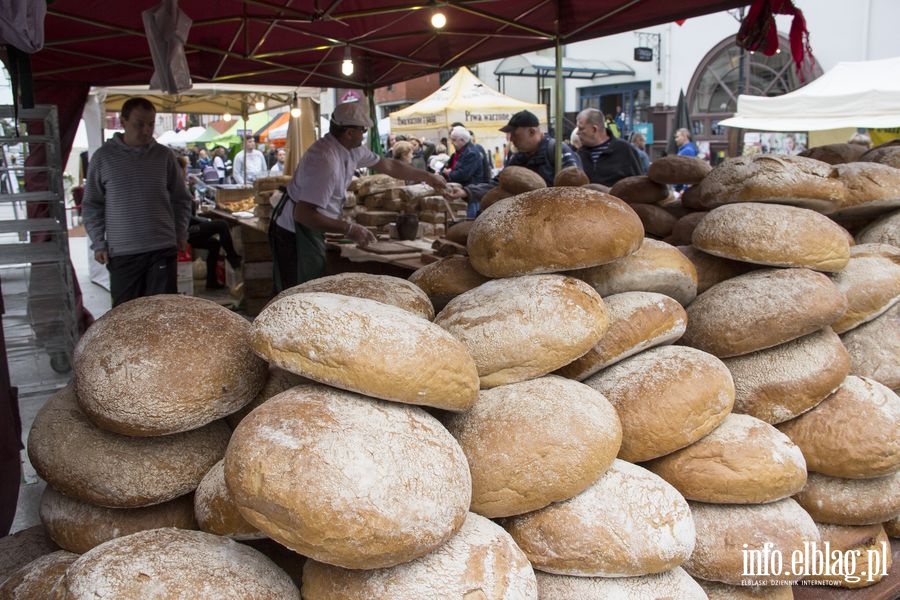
[465, 99]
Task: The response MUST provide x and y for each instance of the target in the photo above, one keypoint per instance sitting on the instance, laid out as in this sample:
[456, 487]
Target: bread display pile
[375, 201]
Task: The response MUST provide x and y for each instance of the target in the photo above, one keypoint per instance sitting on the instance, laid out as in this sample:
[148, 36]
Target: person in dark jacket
[605, 158]
[466, 166]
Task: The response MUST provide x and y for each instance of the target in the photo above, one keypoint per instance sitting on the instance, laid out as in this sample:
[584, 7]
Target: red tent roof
[291, 43]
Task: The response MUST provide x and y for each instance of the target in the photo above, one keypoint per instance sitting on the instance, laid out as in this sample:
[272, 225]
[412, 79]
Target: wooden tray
[390, 248]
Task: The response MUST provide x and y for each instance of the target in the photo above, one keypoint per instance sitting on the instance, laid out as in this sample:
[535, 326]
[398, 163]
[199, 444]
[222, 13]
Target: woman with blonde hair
[402, 151]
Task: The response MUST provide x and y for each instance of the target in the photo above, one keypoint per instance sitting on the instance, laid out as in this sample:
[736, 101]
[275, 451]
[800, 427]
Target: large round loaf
[628, 523]
[775, 235]
[874, 348]
[535, 442]
[835, 154]
[655, 267]
[174, 564]
[348, 480]
[78, 526]
[684, 228]
[570, 176]
[678, 169]
[381, 288]
[871, 283]
[657, 221]
[216, 510]
[883, 230]
[518, 180]
[525, 327]
[726, 532]
[493, 196]
[446, 279]
[782, 382]
[780, 179]
[368, 347]
[762, 309]
[852, 433]
[851, 501]
[869, 188]
[675, 583]
[553, 229]
[722, 591]
[144, 368]
[36, 580]
[742, 461]
[458, 233]
[96, 466]
[637, 321]
[887, 153]
[713, 269]
[858, 549]
[481, 561]
[639, 189]
[667, 398]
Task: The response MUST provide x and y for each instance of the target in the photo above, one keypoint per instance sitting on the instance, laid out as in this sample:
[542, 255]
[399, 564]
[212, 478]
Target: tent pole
[559, 106]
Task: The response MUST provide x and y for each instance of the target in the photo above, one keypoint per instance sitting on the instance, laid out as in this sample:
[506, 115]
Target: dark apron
[296, 257]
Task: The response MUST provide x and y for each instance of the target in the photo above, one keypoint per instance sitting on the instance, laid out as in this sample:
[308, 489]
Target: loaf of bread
[628, 523]
[99, 467]
[550, 230]
[883, 230]
[870, 282]
[835, 154]
[874, 348]
[865, 555]
[869, 188]
[722, 591]
[348, 480]
[762, 309]
[775, 235]
[842, 501]
[368, 347]
[892, 527]
[637, 321]
[381, 288]
[145, 368]
[570, 176]
[726, 533]
[444, 280]
[678, 169]
[459, 232]
[675, 583]
[861, 419]
[713, 269]
[78, 526]
[887, 153]
[277, 381]
[655, 267]
[177, 565]
[684, 228]
[784, 381]
[691, 199]
[518, 180]
[525, 327]
[216, 510]
[742, 461]
[667, 398]
[532, 443]
[35, 580]
[493, 196]
[639, 189]
[481, 561]
[656, 220]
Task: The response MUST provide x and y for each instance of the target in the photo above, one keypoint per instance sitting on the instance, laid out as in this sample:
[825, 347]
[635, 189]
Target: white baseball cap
[351, 113]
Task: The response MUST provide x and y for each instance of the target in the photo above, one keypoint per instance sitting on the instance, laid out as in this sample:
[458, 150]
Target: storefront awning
[533, 65]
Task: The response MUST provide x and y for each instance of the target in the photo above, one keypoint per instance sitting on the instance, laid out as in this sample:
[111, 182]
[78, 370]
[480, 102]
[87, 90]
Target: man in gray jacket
[136, 208]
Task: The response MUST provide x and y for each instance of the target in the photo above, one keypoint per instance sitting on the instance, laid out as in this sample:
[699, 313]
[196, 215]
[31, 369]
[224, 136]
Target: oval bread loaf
[842, 501]
[883, 230]
[278, 381]
[518, 180]
[835, 154]
[722, 591]
[36, 579]
[216, 509]
[874, 348]
[444, 280]
[863, 544]
[869, 188]
[675, 583]
[678, 169]
[570, 176]
[656, 220]
[870, 282]
[639, 189]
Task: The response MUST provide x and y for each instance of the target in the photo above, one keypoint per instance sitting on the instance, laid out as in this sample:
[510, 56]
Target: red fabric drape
[758, 32]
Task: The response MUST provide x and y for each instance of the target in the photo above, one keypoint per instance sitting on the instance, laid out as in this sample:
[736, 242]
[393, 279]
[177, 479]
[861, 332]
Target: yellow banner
[880, 136]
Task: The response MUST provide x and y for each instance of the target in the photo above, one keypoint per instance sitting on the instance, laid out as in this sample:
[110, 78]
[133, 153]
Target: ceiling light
[296, 112]
[438, 20]
[260, 105]
[227, 117]
[347, 64]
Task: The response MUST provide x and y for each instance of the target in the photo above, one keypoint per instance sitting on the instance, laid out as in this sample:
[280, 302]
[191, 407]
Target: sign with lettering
[643, 54]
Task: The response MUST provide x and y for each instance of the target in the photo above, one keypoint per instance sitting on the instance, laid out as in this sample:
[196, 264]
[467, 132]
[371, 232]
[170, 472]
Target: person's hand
[362, 236]
[182, 245]
[455, 191]
[436, 181]
[101, 256]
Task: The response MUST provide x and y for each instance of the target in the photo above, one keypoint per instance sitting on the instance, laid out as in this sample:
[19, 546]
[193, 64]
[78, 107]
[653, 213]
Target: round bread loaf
[842, 501]
[656, 220]
[690, 198]
[216, 510]
[518, 180]
[368, 347]
[684, 227]
[78, 526]
[627, 523]
[99, 467]
[782, 382]
[887, 153]
[525, 327]
[852, 433]
[713, 269]
[722, 591]
[381, 288]
[550, 230]
[532, 443]
[678, 169]
[835, 154]
[742, 461]
[892, 527]
[481, 561]
[762, 309]
[667, 398]
[726, 532]
[859, 547]
[639, 189]
[459, 232]
[35, 580]
[278, 381]
[883, 230]
[773, 234]
[144, 367]
[597, 187]
[637, 321]
[493, 196]
[869, 188]
[176, 565]
[874, 348]
[348, 480]
[655, 267]
[871, 283]
[793, 180]
[675, 583]
[444, 280]
[570, 176]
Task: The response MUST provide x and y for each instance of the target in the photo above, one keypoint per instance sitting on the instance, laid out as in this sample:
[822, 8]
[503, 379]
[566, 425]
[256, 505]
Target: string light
[347, 64]
[259, 104]
[438, 20]
[227, 117]
[295, 110]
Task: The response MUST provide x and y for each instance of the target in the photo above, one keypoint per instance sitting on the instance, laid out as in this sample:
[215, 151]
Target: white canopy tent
[851, 94]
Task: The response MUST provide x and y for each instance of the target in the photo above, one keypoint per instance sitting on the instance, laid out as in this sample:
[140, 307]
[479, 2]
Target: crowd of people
[215, 166]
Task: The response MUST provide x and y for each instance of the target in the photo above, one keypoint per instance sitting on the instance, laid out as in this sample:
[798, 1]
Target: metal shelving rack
[40, 324]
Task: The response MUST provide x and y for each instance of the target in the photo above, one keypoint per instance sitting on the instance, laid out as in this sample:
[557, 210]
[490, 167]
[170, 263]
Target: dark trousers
[145, 274]
[202, 235]
[297, 258]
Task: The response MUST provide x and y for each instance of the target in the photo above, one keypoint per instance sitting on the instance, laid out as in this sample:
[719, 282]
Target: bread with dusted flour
[722, 591]
[842, 501]
[883, 230]
[874, 348]
[870, 282]
[679, 169]
[36, 580]
[639, 189]
[675, 583]
[713, 269]
[216, 509]
[864, 543]
[444, 280]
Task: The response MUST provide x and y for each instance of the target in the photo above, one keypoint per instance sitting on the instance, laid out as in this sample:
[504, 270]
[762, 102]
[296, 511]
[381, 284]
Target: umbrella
[682, 121]
[374, 137]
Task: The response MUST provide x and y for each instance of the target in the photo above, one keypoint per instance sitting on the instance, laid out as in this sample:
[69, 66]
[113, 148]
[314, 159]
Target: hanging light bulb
[438, 20]
[295, 110]
[347, 64]
[259, 104]
[227, 117]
